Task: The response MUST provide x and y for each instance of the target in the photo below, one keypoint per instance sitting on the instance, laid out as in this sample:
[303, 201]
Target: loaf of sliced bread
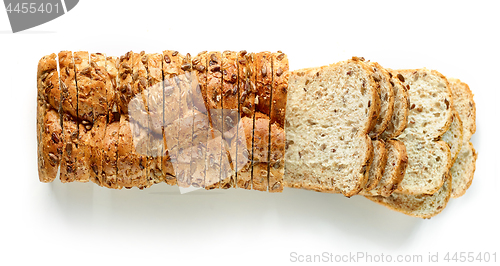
[330, 111]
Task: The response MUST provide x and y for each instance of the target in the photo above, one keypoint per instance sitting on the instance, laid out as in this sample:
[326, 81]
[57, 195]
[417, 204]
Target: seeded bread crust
[68, 85]
[109, 142]
[138, 116]
[69, 106]
[214, 103]
[183, 171]
[48, 120]
[422, 206]
[125, 90]
[399, 119]
[155, 108]
[230, 113]
[429, 117]
[264, 73]
[330, 111]
[386, 94]
[278, 108]
[260, 152]
[395, 168]
[99, 85]
[246, 89]
[128, 165]
[201, 123]
[85, 112]
[377, 167]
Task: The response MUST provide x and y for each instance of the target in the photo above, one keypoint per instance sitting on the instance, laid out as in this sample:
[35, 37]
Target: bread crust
[399, 119]
[48, 120]
[171, 98]
[386, 95]
[377, 167]
[246, 109]
[230, 114]
[155, 108]
[422, 206]
[278, 108]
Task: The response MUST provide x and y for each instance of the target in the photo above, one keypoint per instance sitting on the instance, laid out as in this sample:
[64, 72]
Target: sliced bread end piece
[330, 111]
[463, 169]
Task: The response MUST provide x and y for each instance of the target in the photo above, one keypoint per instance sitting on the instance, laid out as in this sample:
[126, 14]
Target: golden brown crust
[125, 91]
[229, 113]
[260, 152]
[155, 108]
[378, 164]
[397, 124]
[69, 113]
[246, 94]
[48, 122]
[278, 107]
[171, 96]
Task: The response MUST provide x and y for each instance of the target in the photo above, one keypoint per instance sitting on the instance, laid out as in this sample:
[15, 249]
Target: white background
[82, 224]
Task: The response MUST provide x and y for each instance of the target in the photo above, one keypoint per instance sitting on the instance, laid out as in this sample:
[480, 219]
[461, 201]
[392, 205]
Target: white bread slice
[386, 94]
[454, 136]
[395, 168]
[330, 111]
[423, 206]
[463, 169]
[430, 116]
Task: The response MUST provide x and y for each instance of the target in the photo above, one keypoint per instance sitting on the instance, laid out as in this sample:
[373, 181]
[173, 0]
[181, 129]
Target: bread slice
[394, 169]
[100, 86]
[109, 142]
[264, 73]
[230, 113]
[155, 108]
[454, 136]
[69, 103]
[378, 165]
[84, 113]
[125, 90]
[464, 103]
[244, 144]
[171, 98]
[330, 111]
[201, 123]
[429, 117]
[399, 119]
[215, 155]
[423, 205]
[386, 94]
[281, 74]
[49, 129]
[463, 169]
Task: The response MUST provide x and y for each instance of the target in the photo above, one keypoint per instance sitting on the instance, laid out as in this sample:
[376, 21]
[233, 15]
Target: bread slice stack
[229, 119]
